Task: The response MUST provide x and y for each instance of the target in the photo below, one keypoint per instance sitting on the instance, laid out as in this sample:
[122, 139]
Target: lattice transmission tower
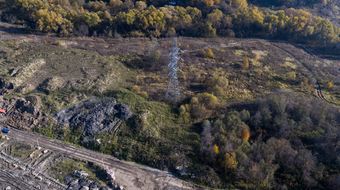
[173, 92]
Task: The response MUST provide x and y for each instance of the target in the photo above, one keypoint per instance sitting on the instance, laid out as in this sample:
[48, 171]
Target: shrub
[230, 161]
[208, 53]
[216, 84]
[136, 89]
[184, 113]
[245, 63]
[208, 100]
[291, 75]
[330, 85]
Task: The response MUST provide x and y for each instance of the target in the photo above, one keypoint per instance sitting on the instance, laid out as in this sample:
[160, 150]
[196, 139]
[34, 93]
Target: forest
[280, 142]
[164, 18]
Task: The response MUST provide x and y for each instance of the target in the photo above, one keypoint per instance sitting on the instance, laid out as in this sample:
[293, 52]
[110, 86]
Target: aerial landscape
[169, 94]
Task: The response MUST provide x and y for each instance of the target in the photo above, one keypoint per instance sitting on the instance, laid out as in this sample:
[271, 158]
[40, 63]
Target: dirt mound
[23, 112]
[95, 115]
[28, 71]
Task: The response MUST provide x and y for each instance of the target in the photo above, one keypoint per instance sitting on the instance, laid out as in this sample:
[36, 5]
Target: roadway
[131, 175]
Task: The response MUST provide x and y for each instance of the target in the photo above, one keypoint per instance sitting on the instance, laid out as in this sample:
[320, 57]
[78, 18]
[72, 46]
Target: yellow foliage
[91, 18]
[257, 15]
[216, 16]
[330, 85]
[245, 63]
[209, 100]
[216, 149]
[291, 75]
[184, 112]
[211, 3]
[230, 161]
[208, 53]
[51, 21]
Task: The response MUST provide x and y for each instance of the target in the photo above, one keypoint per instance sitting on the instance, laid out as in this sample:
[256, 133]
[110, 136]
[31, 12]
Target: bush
[330, 85]
[291, 76]
[217, 84]
[208, 53]
[208, 100]
[245, 63]
[136, 89]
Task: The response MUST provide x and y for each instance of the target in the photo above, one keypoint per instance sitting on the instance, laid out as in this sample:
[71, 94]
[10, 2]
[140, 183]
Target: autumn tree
[230, 161]
[245, 63]
[245, 134]
[330, 85]
[216, 149]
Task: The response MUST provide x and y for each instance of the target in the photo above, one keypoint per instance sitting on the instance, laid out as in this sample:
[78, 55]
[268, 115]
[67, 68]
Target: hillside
[219, 133]
[195, 94]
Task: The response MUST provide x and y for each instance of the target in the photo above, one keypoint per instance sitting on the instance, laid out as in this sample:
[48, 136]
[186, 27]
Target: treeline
[279, 142]
[198, 18]
[288, 3]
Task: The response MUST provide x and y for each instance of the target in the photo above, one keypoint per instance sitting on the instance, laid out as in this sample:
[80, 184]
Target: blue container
[5, 130]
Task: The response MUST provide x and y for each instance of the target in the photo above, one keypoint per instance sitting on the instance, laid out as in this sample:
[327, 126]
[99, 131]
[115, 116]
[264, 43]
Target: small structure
[80, 173]
[2, 111]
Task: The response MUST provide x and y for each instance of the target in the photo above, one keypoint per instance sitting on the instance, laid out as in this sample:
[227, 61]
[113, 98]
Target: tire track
[311, 75]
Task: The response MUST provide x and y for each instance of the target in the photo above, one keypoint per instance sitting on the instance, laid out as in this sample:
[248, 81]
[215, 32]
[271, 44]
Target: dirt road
[130, 175]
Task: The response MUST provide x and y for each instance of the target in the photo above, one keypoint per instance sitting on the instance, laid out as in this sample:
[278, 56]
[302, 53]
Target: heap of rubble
[21, 112]
[78, 180]
[95, 115]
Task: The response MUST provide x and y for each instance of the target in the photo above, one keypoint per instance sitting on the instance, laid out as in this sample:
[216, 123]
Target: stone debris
[22, 112]
[95, 115]
[79, 181]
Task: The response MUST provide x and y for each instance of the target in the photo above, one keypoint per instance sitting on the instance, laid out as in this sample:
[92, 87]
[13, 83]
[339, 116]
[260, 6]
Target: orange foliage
[245, 134]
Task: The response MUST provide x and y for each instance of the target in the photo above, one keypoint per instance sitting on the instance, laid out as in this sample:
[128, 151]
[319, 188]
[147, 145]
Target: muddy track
[311, 75]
